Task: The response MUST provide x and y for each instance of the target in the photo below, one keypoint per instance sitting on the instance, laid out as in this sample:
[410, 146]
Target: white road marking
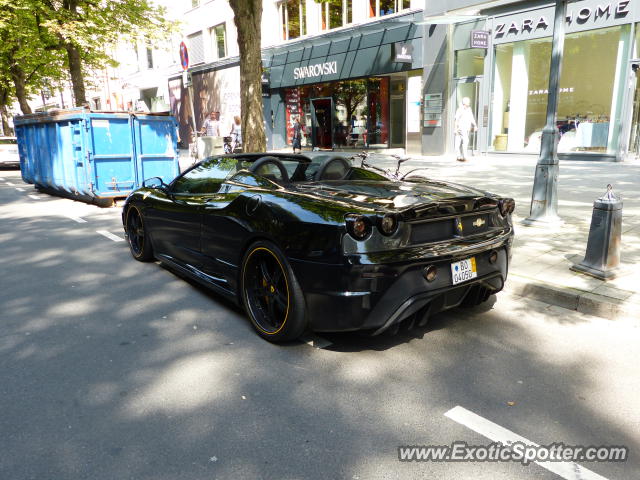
[110, 236]
[76, 219]
[35, 197]
[493, 431]
[10, 184]
[315, 341]
[20, 189]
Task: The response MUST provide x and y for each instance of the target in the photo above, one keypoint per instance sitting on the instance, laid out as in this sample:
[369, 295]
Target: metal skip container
[96, 156]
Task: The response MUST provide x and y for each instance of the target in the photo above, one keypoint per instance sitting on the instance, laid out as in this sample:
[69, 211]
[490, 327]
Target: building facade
[352, 75]
[500, 59]
[210, 35]
[350, 70]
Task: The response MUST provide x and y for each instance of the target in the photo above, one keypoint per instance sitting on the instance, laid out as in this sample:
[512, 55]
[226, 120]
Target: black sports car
[313, 242]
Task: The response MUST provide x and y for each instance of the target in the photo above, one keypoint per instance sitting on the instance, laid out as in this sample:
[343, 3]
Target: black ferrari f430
[317, 243]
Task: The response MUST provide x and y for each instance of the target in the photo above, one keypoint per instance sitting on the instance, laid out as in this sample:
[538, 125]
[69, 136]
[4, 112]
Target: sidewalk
[542, 257]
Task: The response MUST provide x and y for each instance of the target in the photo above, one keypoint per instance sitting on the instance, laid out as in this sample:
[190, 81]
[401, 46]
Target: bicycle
[395, 176]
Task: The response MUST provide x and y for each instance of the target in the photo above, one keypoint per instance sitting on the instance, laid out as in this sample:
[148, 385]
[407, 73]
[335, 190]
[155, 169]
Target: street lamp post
[544, 198]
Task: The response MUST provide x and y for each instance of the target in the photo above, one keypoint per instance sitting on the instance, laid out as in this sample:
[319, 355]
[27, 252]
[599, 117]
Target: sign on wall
[433, 105]
[479, 39]
[403, 52]
[584, 15]
[316, 70]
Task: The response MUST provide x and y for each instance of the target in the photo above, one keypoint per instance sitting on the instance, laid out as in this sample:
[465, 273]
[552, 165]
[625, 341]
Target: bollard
[602, 259]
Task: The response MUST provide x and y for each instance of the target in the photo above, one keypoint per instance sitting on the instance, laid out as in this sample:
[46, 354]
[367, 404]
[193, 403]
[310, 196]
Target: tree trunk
[4, 114]
[6, 129]
[247, 17]
[75, 70]
[19, 83]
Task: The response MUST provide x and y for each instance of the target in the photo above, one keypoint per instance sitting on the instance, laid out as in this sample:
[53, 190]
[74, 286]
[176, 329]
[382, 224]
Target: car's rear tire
[138, 237]
[271, 294]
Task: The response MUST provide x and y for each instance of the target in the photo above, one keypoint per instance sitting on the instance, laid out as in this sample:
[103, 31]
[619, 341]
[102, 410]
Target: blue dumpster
[96, 156]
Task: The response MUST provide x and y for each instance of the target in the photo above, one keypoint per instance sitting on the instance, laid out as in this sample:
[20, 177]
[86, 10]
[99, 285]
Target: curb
[571, 298]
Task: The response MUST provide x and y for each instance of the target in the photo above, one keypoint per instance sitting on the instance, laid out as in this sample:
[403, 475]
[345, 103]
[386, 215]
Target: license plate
[464, 270]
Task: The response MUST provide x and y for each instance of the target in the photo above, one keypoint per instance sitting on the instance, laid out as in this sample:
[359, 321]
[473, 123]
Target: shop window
[335, 13]
[360, 116]
[149, 58]
[380, 8]
[589, 101]
[470, 62]
[292, 18]
[218, 41]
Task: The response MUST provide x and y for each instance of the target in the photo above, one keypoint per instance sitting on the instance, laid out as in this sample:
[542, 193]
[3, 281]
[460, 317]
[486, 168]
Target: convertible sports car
[314, 242]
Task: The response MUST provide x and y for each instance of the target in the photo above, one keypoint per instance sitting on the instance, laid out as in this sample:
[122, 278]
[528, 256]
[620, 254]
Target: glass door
[633, 151]
[322, 123]
[470, 88]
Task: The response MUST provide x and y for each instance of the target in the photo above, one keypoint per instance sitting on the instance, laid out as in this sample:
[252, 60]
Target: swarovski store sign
[584, 15]
[317, 70]
[403, 52]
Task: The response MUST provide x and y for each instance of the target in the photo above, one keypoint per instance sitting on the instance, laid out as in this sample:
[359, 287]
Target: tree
[247, 18]
[83, 29]
[26, 64]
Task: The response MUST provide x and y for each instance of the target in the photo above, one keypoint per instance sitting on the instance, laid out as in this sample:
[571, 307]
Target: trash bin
[96, 156]
[500, 142]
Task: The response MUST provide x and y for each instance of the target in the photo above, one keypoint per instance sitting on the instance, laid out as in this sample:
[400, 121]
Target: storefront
[353, 89]
[507, 81]
[215, 89]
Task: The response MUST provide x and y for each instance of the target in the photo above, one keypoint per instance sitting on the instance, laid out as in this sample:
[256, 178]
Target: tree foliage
[44, 42]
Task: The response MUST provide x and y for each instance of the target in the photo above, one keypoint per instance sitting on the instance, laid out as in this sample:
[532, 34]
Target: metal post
[188, 83]
[544, 198]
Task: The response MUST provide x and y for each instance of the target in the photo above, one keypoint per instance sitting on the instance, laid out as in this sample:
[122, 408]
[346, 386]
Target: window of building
[196, 48]
[380, 8]
[335, 13]
[149, 58]
[470, 62]
[292, 18]
[219, 41]
[590, 96]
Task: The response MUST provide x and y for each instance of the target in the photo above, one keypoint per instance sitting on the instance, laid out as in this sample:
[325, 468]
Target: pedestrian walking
[296, 140]
[211, 126]
[463, 124]
[236, 132]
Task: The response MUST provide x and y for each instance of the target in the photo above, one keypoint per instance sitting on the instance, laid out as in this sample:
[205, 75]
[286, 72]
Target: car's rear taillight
[507, 206]
[358, 226]
[388, 224]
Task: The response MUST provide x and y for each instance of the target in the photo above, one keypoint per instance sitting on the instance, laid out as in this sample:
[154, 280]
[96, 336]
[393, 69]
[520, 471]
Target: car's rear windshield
[8, 141]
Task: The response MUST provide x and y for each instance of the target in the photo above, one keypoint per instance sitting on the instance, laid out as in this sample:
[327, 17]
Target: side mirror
[154, 182]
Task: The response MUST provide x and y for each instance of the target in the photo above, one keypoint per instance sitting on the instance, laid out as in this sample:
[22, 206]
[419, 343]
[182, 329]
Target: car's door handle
[253, 203]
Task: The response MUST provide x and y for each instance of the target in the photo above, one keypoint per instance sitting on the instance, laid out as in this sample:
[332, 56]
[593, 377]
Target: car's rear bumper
[378, 296]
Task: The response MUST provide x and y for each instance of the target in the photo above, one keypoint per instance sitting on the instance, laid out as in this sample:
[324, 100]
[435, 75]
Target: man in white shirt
[211, 126]
[463, 123]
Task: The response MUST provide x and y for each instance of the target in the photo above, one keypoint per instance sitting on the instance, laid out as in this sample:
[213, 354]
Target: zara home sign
[317, 70]
[578, 13]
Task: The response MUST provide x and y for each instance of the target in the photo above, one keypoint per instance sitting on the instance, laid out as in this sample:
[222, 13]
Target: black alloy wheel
[137, 236]
[271, 295]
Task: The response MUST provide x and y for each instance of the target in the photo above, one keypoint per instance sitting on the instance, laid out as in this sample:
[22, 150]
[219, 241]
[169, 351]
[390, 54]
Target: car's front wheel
[138, 237]
[271, 294]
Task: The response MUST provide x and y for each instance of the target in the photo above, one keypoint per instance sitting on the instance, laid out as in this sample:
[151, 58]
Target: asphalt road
[113, 369]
